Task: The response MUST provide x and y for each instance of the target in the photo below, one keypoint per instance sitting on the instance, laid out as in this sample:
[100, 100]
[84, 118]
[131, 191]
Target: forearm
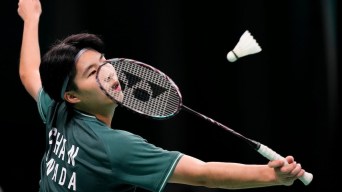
[30, 50]
[193, 171]
[238, 176]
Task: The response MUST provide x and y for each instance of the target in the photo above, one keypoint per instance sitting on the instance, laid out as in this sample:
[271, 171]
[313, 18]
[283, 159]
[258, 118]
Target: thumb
[276, 163]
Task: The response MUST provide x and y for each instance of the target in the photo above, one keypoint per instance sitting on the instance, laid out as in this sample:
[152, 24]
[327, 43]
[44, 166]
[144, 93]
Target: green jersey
[84, 154]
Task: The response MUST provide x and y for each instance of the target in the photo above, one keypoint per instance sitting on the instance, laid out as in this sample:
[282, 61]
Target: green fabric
[83, 154]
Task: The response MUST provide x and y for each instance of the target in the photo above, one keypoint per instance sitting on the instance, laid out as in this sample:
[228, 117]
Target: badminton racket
[146, 90]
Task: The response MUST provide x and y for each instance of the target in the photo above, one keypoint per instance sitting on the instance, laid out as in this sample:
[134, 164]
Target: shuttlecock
[247, 45]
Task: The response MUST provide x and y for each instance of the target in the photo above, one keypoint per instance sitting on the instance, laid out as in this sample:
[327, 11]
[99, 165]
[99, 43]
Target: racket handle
[272, 155]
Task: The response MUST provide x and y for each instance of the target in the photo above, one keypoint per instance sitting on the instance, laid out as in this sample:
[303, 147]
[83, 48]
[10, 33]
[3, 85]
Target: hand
[29, 10]
[286, 173]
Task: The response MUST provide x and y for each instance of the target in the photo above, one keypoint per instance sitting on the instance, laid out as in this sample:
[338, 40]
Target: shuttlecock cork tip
[231, 56]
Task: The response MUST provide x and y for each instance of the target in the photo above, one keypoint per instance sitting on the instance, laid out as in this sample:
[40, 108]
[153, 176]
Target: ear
[71, 97]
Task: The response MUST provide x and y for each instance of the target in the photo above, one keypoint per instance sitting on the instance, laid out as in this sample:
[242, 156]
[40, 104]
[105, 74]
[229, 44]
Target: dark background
[286, 96]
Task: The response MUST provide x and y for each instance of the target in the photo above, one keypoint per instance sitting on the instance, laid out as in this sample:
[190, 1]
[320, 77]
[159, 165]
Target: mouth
[116, 86]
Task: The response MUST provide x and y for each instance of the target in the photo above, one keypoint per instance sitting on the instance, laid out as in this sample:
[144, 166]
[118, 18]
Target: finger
[289, 159]
[297, 169]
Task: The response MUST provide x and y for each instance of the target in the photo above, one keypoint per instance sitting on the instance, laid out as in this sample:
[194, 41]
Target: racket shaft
[272, 155]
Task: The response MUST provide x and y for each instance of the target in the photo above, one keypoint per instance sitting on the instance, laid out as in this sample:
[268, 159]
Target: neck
[105, 119]
[104, 115]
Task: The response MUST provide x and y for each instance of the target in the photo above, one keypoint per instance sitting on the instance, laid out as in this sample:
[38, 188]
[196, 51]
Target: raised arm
[30, 11]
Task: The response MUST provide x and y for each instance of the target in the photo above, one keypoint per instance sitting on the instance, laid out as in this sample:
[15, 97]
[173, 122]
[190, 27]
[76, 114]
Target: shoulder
[129, 144]
[123, 138]
[44, 102]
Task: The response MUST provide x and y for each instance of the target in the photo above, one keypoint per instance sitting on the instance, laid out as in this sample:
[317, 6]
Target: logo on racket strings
[138, 92]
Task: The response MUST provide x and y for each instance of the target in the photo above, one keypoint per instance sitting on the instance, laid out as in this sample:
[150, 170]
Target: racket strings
[147, 90]
[108, 81]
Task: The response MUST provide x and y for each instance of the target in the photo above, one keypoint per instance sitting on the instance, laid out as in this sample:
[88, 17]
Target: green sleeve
[140, 163]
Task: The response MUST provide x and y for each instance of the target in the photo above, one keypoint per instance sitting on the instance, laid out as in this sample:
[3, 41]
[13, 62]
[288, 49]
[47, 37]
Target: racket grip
[272, 155]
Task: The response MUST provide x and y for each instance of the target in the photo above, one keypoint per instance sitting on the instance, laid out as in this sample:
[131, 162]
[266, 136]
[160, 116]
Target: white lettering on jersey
[59, 144]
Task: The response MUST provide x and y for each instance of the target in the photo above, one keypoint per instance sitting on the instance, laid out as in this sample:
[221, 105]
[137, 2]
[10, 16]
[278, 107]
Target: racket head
[145, 89]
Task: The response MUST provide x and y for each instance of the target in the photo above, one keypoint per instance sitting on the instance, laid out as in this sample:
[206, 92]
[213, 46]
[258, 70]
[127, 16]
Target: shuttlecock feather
[247, 45]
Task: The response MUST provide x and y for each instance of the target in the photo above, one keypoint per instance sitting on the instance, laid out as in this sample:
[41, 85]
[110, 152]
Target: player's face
[88, 91]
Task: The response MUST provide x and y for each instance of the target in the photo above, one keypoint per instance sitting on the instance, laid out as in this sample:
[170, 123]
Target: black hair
[59, 61]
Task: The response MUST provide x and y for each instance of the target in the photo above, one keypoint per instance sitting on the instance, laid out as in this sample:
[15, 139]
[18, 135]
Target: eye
[93, 72]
